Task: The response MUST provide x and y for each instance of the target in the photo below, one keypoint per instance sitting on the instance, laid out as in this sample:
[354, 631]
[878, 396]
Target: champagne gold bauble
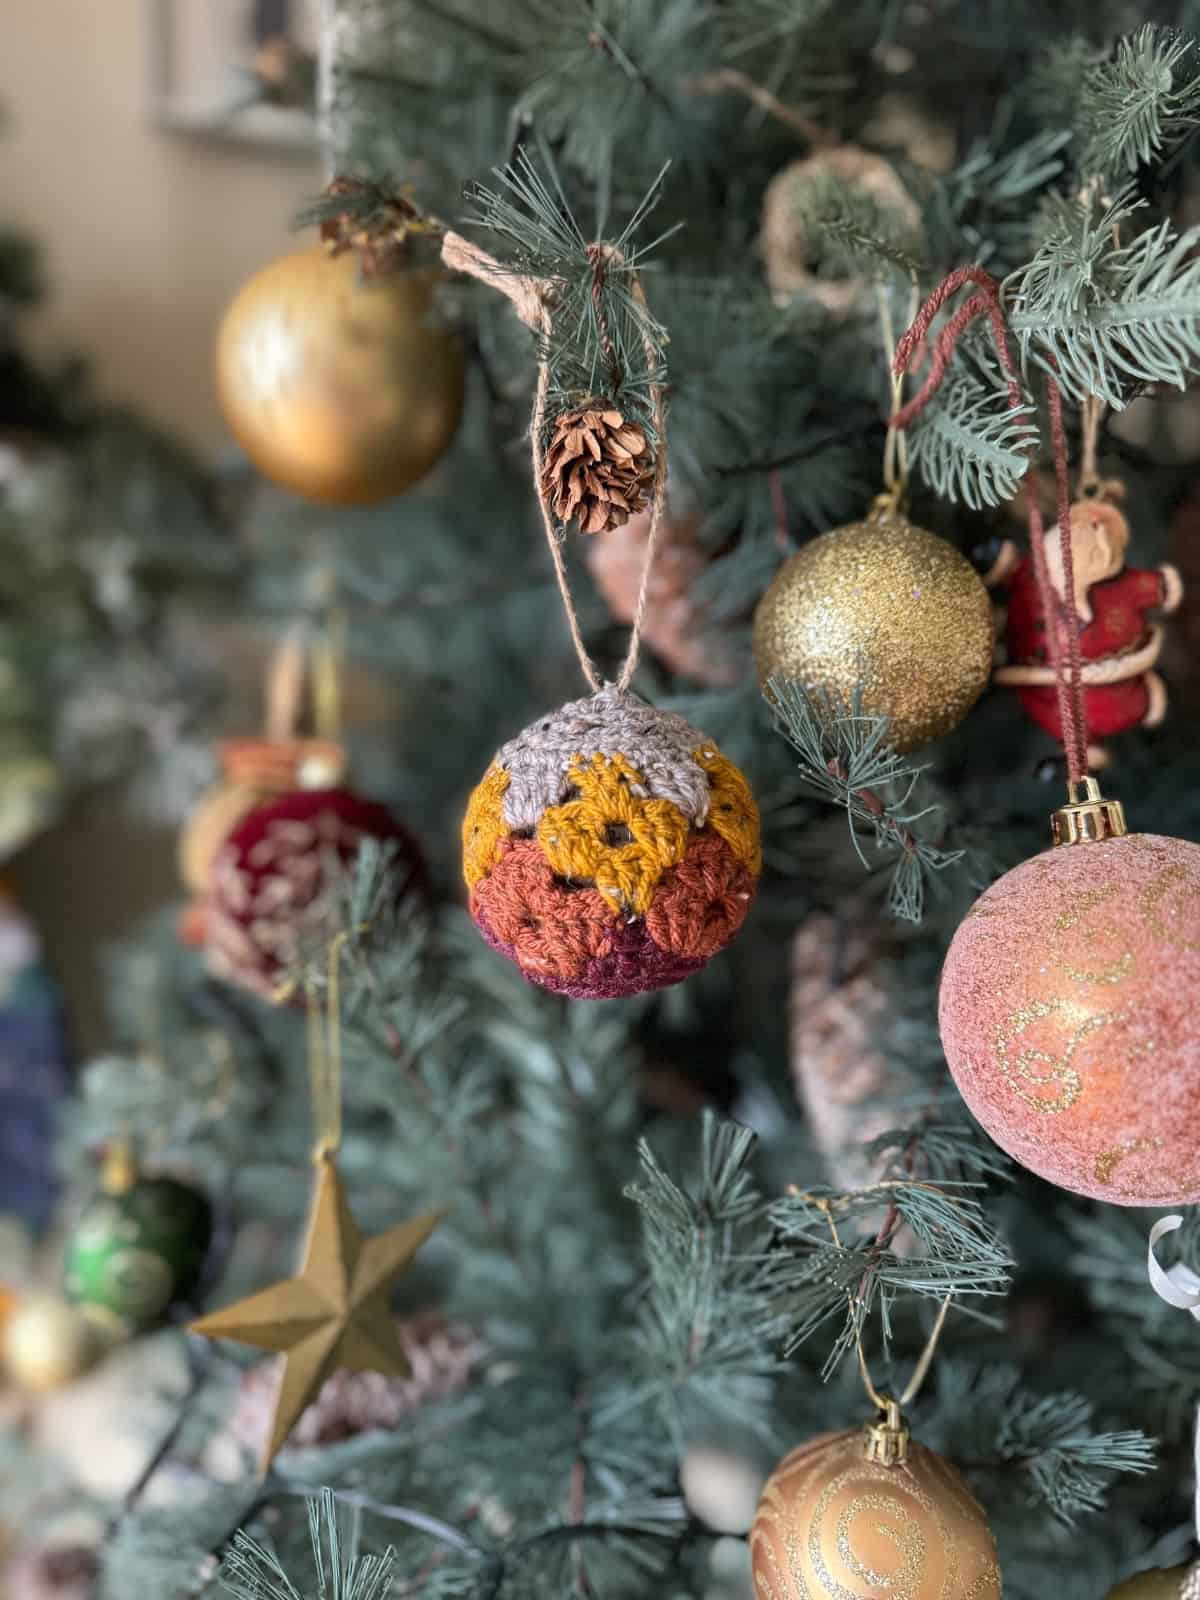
[1164, 1583]
[834, 1524]
[888, 607]
[341, 388]
[47, 1342]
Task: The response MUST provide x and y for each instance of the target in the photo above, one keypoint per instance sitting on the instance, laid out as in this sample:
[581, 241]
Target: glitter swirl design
[833, 1526]
[1068, 1017]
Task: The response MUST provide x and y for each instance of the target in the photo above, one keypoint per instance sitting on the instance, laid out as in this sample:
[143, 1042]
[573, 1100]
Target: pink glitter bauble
[1069, 1019]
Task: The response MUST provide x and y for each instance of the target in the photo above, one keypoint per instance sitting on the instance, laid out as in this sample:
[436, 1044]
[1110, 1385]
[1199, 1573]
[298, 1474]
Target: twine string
[1089, 451]
[324, 1026]
[533, 301]
[1062, 619]
[602, 257]
[920, 1372]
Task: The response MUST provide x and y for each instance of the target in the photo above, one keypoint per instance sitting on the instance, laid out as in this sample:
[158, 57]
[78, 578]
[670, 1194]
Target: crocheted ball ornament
[275, 881]
[610, 849]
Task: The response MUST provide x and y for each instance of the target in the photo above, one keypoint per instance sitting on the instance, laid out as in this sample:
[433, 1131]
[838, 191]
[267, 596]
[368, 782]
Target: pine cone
[838, 1001]
[598, 469]
[442, 1355]
[674, 623]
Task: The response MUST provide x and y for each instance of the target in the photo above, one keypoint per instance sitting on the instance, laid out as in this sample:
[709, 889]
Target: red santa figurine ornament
[1119, 644]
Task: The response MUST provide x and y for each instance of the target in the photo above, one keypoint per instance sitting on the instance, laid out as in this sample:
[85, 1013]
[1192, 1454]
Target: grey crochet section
[659, 744]
[1191, 1584]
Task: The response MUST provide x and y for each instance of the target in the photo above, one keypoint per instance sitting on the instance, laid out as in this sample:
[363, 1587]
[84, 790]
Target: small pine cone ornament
[276, 880]
[673, 627]
[610, 849]
[442, 1356]
[838, 1005]
[598, 468]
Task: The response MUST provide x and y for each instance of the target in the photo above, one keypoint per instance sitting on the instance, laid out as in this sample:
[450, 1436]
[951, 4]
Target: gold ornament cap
[885, 1441]
[1089, 818]
[119, 1171]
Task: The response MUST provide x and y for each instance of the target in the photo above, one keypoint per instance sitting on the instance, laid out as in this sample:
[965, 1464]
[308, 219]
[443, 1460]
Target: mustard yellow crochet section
[620, 841]
[732, 809]
[484, 827]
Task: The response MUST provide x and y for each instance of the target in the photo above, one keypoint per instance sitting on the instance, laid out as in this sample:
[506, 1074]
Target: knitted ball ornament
[275, 880]
[610, 849]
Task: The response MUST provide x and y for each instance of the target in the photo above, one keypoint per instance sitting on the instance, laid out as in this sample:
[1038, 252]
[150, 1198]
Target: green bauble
[136, 1251]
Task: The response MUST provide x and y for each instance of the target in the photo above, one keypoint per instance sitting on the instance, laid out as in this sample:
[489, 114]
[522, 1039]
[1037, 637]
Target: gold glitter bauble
[47, 1342]
[888, 606]
[343, 389]
[1164, 1583]
[833, 1525]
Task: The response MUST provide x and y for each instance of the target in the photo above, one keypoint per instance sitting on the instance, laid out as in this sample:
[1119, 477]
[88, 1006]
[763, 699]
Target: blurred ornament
[610, 849]
[276, 880]
[1119, 646]
[138, 1247]
[598, 469]
[1066, 1011]
[31, 794]
[63, 1572]
[33, 1073]
[851, 1515]
[46, 1342]
[334, 1313]
[788, 252]
[1164, 1583]
[720, 1488]
[673, 627]
[838, 1005]
[442, 1356]
[341, 388]
[254, 771]
[901, 122]
[884, 606]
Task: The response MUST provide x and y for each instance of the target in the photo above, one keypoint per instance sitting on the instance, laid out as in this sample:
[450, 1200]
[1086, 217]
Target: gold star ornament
[334, 1313]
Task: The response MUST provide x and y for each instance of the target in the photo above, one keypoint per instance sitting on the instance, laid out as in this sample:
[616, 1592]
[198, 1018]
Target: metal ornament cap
[1086, 820]
[886, 1440]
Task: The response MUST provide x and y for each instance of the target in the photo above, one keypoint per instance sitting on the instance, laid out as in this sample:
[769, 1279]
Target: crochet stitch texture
[610, 848]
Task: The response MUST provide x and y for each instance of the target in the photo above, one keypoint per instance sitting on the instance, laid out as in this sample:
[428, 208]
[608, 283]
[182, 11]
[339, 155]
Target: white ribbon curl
[1179, 1286]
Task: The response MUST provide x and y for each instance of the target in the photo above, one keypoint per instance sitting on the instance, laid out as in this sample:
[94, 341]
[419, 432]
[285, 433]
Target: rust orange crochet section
[553, 930]
[703, 901]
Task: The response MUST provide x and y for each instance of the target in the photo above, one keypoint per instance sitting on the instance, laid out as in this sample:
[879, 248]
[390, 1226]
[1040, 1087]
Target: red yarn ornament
[275, 881]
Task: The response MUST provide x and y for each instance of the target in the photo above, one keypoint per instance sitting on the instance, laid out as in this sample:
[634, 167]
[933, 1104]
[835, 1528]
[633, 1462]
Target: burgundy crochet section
[276, 879]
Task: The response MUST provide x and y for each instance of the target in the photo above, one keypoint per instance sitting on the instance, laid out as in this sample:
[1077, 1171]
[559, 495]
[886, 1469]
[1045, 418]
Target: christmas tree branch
[844, 757]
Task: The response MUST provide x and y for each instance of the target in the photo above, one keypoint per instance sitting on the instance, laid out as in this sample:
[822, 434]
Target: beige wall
[147, 233]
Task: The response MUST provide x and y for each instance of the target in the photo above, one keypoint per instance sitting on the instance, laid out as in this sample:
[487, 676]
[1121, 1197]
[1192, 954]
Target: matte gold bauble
[341, 388]
[47, 1342]
[835, 1524]
[1164, 1583]
[889, 607]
